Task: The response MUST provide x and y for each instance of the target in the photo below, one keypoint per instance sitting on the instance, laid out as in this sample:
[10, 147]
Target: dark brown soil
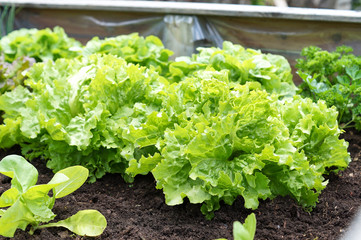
[138, 211]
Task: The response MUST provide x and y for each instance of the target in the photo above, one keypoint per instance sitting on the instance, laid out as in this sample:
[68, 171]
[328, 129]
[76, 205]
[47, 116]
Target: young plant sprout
[30, 204]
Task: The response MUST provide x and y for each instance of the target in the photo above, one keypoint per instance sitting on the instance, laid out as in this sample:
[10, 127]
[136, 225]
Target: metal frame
[191, 8]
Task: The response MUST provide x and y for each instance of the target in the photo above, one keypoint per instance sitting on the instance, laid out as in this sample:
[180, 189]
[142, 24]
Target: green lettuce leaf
[148, 51]
[243, 65]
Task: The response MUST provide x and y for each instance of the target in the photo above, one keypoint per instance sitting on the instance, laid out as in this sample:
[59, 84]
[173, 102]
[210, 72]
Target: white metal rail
[191, 8]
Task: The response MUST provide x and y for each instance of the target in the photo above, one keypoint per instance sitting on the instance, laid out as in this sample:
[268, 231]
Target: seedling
[244, 231]
[30, 204]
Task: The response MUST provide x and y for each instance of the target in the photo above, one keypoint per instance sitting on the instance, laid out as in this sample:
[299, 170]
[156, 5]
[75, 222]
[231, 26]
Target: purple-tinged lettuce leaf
[13, 74]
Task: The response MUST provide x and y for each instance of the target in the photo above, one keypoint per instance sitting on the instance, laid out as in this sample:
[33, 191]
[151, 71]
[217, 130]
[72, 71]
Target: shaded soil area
[138, 211]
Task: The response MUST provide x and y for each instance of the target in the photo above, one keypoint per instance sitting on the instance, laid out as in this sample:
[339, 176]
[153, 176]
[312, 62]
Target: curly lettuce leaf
[12, 74]
[148, 51]
[334, 77]
[243, 65]
[19, 122]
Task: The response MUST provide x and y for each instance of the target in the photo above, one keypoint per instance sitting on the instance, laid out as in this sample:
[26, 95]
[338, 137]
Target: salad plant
[135, 49]
[244, 231]
[273, 72]
[11, 74]
[42, 45]
[30, 204]
[334, 77]
[84, 112]
[234, 140]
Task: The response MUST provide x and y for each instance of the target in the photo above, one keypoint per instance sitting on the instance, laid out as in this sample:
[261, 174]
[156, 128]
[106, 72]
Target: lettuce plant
[273, 72]
[148, 51]
[233, 140]
[30, 204]
[83, 114]
[247, 230]
[334, 77]
[42, 45]
[12, 74]
[244, 231]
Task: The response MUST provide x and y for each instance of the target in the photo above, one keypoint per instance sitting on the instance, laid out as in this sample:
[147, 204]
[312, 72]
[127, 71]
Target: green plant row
[211, 127]
[272, 71]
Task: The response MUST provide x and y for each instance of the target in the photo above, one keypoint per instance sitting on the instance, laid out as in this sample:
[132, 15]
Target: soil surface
[138, 211]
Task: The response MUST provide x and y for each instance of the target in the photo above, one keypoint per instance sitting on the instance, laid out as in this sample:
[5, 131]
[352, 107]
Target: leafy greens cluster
[234, 140]
[148, 51]
[210, 127]
[273, 72]
[20, 48]
[78, 111]
[43, 45]
[334, 77]
[205, 138]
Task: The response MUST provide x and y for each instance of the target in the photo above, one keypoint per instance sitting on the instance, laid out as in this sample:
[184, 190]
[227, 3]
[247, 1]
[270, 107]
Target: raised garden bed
[138, 211]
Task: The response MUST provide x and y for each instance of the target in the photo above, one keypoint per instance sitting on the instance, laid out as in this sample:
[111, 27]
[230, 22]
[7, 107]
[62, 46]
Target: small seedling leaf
[23, 174]
[77, 176]
[84, 223]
